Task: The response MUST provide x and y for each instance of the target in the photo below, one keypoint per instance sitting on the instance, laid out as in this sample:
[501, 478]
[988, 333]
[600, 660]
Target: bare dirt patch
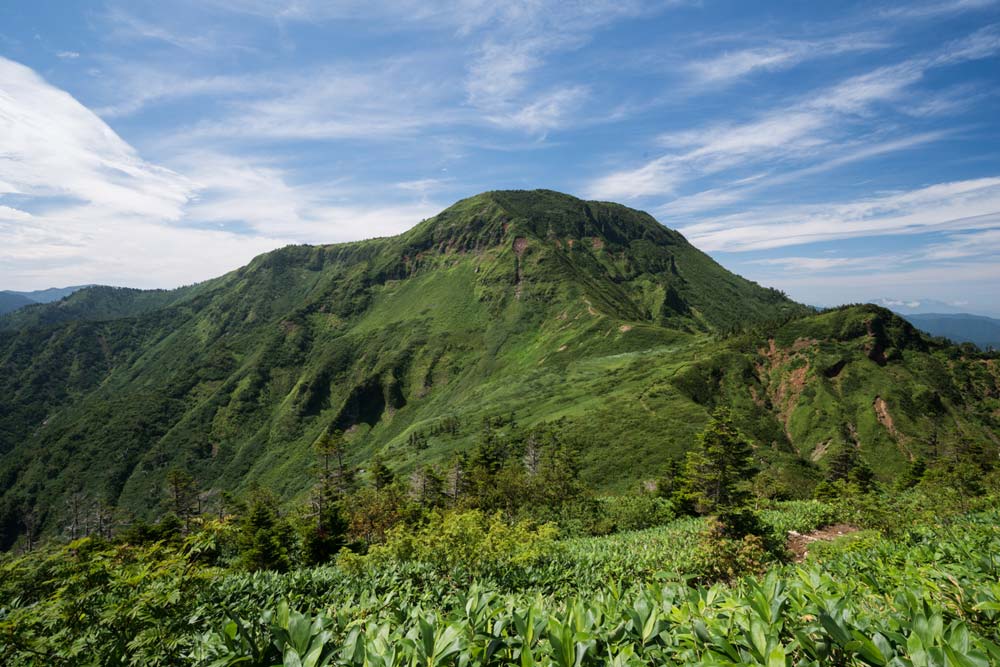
[785, 392]
[820, 451]
[885, 419]
[883, 416]
[625, 328]
[798, 543]
[520, 245]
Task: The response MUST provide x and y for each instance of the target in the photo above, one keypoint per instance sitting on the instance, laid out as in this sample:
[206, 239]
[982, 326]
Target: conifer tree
[381, 475]
[325, 537]
[719, 467]
[264, 537]
[182, 495]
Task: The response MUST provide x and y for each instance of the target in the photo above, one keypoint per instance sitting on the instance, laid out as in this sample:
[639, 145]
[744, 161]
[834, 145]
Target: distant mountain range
[942, 319]
[907, 307]
[960, 328]
[11, 301]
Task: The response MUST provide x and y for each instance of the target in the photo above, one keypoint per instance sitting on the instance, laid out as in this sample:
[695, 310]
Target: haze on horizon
[837, 153]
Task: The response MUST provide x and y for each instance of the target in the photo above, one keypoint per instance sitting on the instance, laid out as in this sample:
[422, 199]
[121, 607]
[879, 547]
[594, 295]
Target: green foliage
[92, 603]
[719, 466]
[635, 512]
[264, 537]
[928, 595]
[466, 544]
[942, 610]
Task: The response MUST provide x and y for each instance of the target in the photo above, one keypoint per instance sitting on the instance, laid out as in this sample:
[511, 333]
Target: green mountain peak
[591, 315]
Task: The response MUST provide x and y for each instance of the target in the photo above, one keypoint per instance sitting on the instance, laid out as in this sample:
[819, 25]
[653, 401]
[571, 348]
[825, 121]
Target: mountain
[11, 301]
[93, 303]
[529, 306]
[52, 294]
[960, 327]
[907, 307]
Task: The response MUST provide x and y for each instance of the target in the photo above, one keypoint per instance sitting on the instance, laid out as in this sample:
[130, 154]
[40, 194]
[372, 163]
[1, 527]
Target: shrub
[469, 543]
[723, 558]
[636, 512]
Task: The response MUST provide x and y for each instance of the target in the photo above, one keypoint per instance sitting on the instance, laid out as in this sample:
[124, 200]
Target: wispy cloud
[55, 148]
[125, 25]
[822, 264]
[743, 189]
[78, 203]
[981, 244]
[382, 102]
[520, 39]
[926, 10]
[778, 55]
[135, 87]
[960, 205]
[810, 128]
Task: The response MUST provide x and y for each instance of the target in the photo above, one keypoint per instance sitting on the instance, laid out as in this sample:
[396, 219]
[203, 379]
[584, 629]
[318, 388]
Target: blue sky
[838, 151]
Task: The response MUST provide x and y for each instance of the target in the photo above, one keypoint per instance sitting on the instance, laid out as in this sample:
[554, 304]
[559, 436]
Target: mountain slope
[534, 304]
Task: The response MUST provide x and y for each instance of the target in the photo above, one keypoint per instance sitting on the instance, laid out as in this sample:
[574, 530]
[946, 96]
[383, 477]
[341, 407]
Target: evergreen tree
[182, 494]
[912, 476]
[719, 467]
[264, 537]
[426, 486]
[326, 535]
[331, 448]
[381, 475]
[842, 463]
[559, 475]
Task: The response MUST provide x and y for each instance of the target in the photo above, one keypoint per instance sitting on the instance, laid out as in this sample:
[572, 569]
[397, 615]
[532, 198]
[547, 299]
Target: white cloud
[235, 191]
[775, 56]
[68, 55]
[711, 150]
[982, 244]
[137, 86]
[983, 43]
[384, 101]
[547, 111]
[959, 205]
[735, 64]
[520, 37]
[127, 26]
[743, 189]
[811, 128]
[818, 264]
[78, 204]
[925, 10]
[53, 147]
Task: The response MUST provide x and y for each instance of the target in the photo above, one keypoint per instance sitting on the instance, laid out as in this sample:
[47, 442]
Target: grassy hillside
[534, 306]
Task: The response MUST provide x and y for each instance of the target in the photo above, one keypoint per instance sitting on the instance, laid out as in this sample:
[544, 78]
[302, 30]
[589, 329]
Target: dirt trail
[798, 543]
